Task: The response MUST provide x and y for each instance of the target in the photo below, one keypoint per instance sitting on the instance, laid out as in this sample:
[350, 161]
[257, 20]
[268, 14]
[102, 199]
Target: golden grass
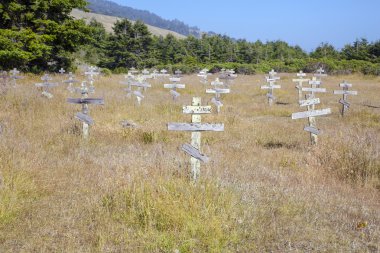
[127, 190]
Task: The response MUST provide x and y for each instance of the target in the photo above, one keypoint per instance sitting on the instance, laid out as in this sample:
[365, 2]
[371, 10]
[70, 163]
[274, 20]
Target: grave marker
[271, 80]
[196, 127]
[14, 76]
[319, 74]
[71, 81]
[83, 116]
[311, 113]
[300, 80]
[217, 91]
[46, 85]
[345, 92]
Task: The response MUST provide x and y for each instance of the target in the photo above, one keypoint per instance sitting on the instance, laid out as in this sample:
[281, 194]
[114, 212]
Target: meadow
[265, 189]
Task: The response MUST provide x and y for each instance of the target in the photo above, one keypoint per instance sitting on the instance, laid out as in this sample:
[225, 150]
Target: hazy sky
[306, 23]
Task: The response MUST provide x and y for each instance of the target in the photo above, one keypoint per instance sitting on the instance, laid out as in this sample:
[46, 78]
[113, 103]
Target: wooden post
[345, 92]
[196, 127]
[195, 141]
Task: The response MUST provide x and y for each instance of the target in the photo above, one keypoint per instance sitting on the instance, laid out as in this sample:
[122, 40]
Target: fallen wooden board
[94, 101]
[308, 102]
[174, 85]
[196, 109]
[313, 113]
[314, 89]
[312, 130]
[195, 127]
[190, 150]
[84, 118]
[345, 92]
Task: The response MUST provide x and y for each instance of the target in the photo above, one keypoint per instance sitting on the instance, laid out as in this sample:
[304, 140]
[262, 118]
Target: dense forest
[43, 36]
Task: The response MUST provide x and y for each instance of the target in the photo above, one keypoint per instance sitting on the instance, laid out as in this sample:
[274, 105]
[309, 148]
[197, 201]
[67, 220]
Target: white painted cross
[91, 73]
[140, 84]
[313, 89]
[71, 81]
[195, 127]
[178, 73]
[345, 92]
[271, 80]
[62, 71]
[300, 80]
[85, 101]
[46, 85]
[203, 74]
[311, 113]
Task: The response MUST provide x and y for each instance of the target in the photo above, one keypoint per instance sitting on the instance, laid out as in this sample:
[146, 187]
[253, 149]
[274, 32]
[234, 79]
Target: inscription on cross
[195, 127]
[345, 92]
[83, 116]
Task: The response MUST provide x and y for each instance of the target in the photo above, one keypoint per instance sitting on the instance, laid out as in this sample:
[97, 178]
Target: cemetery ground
[265, 189]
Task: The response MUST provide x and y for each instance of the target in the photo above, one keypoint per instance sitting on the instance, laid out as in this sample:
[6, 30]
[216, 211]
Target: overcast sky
[306, 23]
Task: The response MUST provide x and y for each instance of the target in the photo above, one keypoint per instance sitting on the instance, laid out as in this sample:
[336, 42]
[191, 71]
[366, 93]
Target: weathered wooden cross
[14, 76]
[195, 127]
[300, 80]
[139, 84]
[313, 89]
[71, 81]
[311, 113]
[4, 77]
[203, 74]
[345, 92]
[271, 80]
[217, 91]
[173, 86]
[85, 101]
[178, 73]
[46, 85]
[319, 74]
[91, 73]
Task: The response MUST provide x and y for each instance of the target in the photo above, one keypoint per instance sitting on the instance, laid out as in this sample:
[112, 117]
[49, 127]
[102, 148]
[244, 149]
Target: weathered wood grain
[345, 92]
[312, 130]
[197, 109]
[190, 150]
[195, 127]
[308, 102]
[312, 113]
[174, 85]
[94, 101]
[84, 118]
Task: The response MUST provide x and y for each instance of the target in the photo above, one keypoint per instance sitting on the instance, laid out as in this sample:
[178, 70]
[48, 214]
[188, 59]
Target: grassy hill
[108, 22]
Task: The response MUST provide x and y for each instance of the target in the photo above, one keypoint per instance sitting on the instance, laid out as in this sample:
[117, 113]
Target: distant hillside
[108, 22]
[113, 9]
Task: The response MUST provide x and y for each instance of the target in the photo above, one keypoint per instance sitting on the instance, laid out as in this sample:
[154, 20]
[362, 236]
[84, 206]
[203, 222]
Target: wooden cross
[300, 80]
[85, 101]
[174, 86]
[203, 74]
[4, 77]
[313, 89]
[129, 80]
[62, 71]
[217, 91]
[71, 81]
[46, 85]
[133, 71]
[311, 113]
[178, 73]
[155, 73]
[14, 76]
[319, 74]
[271, 80]
[228, 76]
[195, 127]
[90, 77]
[345, 92]
[137, 93]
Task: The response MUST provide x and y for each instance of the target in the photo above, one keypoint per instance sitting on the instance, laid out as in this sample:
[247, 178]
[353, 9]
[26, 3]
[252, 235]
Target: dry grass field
[127, 190]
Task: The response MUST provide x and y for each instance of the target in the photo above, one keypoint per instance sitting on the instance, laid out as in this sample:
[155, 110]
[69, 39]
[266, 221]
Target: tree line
[41, 35]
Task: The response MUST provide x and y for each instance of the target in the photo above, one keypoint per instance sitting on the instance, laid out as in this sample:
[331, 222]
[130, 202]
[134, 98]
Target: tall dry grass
[127, 190]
